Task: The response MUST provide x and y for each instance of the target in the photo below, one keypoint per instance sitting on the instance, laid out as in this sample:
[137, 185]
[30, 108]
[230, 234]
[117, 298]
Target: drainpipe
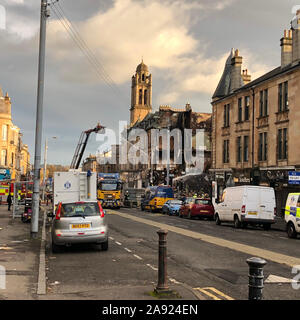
[253, 126]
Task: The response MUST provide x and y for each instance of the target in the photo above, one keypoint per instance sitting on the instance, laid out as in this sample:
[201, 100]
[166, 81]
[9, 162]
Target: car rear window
[175, 202]
[80, 209]
[207, 202]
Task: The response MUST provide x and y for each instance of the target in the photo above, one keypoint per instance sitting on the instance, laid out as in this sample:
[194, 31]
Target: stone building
[255, 124]
[14, 154]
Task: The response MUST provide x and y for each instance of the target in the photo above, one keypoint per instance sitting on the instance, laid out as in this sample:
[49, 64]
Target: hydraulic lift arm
[83, 140]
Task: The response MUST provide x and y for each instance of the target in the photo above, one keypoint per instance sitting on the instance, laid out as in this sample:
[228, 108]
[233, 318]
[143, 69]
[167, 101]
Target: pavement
[22, 259]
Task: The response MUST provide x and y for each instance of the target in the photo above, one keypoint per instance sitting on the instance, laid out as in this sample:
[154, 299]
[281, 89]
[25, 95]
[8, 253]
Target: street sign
[294, 177]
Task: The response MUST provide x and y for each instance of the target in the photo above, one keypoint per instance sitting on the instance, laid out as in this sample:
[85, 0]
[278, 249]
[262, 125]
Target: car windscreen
[109, 186]
[178, 202]
[80, 209]
[204, 202]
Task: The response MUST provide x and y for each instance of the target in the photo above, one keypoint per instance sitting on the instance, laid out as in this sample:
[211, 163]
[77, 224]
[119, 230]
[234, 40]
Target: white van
[292, 215]
[245, 205]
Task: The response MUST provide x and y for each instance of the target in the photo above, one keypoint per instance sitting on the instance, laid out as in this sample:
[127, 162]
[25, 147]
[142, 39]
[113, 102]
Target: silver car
[79, 222]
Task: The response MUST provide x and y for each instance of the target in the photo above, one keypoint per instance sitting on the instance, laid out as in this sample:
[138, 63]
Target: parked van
[245, 205]
[155, 197]
[292, 215]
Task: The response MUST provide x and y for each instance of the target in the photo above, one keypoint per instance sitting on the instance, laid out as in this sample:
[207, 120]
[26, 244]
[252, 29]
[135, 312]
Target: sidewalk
[19, 255]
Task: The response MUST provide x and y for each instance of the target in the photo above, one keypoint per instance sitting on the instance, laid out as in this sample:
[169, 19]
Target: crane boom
[83, 140]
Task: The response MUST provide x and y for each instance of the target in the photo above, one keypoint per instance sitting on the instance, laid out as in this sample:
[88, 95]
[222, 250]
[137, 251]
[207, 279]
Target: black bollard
[162, 285]
[256, 278]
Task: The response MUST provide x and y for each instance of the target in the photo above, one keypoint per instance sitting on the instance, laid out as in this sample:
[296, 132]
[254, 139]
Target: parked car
[292, 215]
[171, 207]
[197, 207]
[79, 222]
[245, 205]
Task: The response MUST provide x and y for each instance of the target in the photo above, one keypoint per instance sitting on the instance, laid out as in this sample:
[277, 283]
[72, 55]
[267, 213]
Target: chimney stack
[296, 38]
[246, 77]
[286, 44]
[236, 71]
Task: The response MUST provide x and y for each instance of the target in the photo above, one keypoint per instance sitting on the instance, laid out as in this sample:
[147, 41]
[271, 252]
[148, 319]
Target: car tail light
[100, 210]
[57, 216]
[243, 209]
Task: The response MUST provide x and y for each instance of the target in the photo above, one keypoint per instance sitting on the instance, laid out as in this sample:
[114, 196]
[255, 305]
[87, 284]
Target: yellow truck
[109, 190]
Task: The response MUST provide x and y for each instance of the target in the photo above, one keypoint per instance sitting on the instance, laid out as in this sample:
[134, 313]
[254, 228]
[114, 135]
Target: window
[247, 107]
[263, 103]
[145, 97]
[143, 77]
[226, 151]
[12, 158]
[246, 148]
[140, 96]
[283, 101]
[239, 149]
[226, 115]
[263, 147]
[282, 144]
[4, 158]
[4, 132]
[240, 110]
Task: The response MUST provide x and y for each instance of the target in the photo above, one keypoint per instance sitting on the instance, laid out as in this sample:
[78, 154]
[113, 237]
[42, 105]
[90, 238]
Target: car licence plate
[205, 211]
[253, 213]
[81, 226]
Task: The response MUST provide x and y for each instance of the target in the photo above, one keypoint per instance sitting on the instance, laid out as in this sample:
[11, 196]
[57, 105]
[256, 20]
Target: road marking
[216, 291]
[138, 257]
[276, 279]
[111, 238]
[208, 293]
[118, 243]
[128, 250]
[153, 268]
[253, 251]
[174, 281]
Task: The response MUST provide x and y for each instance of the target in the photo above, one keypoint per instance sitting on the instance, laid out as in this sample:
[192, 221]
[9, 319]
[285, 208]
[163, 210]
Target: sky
[183, 42]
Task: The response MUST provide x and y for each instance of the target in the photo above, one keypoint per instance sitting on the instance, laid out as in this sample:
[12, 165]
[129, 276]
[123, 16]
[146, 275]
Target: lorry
[109, 190]
[74, 186]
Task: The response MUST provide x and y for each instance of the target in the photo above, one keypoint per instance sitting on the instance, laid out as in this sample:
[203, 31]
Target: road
[206, 258]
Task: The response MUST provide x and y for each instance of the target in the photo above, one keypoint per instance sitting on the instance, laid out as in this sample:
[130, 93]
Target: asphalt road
[207, 258]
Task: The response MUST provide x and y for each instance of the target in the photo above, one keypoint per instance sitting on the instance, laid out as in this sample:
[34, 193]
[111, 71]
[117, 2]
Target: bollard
[256, 278]
[162, 286]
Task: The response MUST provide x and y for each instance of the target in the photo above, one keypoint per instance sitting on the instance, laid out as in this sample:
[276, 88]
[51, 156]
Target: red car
[196, 207]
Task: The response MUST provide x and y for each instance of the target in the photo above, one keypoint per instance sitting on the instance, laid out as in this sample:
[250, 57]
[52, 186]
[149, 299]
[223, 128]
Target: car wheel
[180, 215]
[104, 246]
[55, 248]
[218, 221]
[237, 223]
[291, 231]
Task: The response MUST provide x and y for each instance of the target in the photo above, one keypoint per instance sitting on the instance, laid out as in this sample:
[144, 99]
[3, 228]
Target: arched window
[140, 96]
[145, 96]
[143, 77]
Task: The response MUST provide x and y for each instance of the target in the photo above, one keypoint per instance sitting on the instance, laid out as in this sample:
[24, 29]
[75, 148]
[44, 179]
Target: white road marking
[128, 250]
[138, 257]
[276, 279]
[118, 243]
[111, 238]
[153, 268]
[174, 281]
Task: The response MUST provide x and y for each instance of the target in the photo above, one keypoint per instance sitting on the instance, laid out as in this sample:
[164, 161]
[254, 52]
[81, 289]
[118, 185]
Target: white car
[292, 215]
[245, 205]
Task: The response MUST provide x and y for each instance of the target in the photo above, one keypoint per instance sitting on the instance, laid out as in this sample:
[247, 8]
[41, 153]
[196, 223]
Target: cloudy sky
[184, 42]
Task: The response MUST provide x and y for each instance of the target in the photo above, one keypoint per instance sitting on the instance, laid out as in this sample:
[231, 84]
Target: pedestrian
[9, 201]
